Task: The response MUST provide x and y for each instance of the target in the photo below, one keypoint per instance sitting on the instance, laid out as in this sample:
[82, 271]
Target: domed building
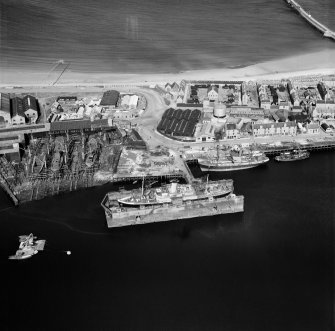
[219, 110]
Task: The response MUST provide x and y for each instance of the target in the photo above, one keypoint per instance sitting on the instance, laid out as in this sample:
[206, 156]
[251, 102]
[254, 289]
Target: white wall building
[325, 108]
[133, 101]
[30, 108]
[206, 133]
[313, 128]
[274, 129]
[212, 93]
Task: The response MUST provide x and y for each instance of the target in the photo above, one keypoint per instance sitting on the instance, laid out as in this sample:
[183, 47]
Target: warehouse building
[5, 108]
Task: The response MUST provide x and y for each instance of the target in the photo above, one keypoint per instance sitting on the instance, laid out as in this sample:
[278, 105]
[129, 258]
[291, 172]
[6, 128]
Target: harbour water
[107, 36]
[270, 268]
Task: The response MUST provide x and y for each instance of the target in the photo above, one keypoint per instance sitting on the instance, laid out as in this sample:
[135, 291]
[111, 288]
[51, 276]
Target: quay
[311, 147]
[311, 20]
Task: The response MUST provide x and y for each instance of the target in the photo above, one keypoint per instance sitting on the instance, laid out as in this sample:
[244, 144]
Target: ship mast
[143, 186]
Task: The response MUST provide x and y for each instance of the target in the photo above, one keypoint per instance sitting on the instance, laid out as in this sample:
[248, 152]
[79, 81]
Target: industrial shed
[74, 125]
[110, 98]
[178, 122]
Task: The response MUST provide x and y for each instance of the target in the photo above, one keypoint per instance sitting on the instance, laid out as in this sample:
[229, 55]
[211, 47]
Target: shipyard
[53, 141]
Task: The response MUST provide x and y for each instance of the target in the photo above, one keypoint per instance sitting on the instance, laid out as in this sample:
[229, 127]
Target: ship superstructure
[184, 192]
[294, 155]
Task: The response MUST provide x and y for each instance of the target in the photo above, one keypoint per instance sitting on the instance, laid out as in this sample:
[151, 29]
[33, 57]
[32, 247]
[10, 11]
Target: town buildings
[246, 111]
[313, 128]
[324, 108]
[18, 115]
[129, 101]
[212, 93]
[250, 94]
[274, 129]
[30, 108]
[206, 132]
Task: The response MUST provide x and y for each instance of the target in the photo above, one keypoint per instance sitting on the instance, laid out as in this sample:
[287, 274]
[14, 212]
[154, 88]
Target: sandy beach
[322, 63]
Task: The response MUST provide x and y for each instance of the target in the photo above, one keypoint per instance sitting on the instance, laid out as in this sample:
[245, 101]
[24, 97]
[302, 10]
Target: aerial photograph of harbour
[167, 165]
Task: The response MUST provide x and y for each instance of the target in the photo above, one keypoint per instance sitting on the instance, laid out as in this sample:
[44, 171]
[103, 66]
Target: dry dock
[130, 216]
[311, 20]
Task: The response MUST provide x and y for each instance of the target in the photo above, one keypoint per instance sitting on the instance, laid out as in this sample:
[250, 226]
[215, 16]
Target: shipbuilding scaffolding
[62, 161]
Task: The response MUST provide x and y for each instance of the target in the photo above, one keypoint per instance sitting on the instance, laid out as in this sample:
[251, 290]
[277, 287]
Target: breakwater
[311, 20]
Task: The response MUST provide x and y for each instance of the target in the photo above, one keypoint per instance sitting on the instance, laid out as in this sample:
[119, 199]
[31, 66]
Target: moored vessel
[185, 192]
[171, 202]
[236, 159]
[294, 155]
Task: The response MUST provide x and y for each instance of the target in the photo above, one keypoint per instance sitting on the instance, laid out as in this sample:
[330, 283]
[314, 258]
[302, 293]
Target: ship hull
[277, 158]
[139, 204]
[131, 216]
[230, 167]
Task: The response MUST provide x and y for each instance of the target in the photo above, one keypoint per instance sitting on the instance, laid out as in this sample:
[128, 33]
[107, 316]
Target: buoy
[68, 252]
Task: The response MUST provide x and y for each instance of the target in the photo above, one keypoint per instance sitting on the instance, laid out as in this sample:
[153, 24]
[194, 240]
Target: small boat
[28, 247]
[294, 155]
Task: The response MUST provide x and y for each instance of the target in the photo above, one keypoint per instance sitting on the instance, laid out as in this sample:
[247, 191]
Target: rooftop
[5, 102]
[110, 98]
[29, 102]
[17, 107]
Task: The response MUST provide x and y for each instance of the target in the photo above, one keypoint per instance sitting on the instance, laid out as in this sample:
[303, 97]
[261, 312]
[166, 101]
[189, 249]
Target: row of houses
[16, 111]
[230, 94]
[235, 129]
[324, 108]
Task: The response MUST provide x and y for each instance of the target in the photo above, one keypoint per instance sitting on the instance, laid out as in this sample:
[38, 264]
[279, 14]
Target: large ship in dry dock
[171, 202]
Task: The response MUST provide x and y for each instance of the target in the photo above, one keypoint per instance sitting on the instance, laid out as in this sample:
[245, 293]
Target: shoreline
[318, 63]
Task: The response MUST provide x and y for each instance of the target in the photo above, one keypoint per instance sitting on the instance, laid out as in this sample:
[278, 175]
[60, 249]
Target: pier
[311, 20]
[312, 147]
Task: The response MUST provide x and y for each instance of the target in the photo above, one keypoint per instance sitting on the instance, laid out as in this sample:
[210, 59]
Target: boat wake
[68, 226]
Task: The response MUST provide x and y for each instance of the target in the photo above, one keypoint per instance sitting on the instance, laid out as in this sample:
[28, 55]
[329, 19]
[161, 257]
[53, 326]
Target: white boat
[28, 247]
[183, 192]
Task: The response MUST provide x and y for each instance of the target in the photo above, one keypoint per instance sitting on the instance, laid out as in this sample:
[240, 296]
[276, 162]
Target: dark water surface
[155, 35]
[270, 268]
